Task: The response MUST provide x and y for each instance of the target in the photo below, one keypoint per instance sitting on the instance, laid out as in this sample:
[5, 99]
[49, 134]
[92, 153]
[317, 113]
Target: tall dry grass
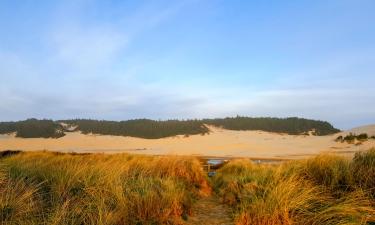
[363, 170]
[324, 190]
[51, 188]
[55, 188]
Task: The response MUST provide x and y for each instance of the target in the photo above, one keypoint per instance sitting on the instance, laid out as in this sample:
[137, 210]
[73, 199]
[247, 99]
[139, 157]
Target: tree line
[291, 125]
[145, 128]
[33, 128]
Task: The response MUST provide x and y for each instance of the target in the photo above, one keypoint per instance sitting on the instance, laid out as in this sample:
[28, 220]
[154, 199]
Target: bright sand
[220, 143]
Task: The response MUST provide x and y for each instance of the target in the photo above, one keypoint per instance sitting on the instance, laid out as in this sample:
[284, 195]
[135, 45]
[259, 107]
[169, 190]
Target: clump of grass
[240, 178]
[56, 188]
[330, 171]
[363, 170]
[18, 201]
[320, 190]
[104, 189]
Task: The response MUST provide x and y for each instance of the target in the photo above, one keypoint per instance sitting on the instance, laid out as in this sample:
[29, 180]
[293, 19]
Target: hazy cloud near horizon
[188, 59]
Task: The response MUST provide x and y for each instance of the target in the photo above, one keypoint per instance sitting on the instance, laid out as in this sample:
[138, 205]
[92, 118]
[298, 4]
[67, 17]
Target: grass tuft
[56, 188]
[98, 189]
[321, 190]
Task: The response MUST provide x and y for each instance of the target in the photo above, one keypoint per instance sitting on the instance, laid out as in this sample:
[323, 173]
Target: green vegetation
[145, 128]
[33, 128]
[352, 138]
[140, 128]
[56, 188]
[292, 125]
[323, 190]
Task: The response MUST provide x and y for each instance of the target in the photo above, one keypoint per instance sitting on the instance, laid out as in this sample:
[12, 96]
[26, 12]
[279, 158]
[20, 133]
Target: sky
[119, 60]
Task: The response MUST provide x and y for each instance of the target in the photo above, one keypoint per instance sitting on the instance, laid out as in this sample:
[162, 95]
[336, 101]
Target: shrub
[351, 138]
[362, 137]
[339, 138]
[7, 153]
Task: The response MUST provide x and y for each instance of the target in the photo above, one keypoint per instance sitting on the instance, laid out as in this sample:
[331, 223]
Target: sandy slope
[223, 143]
[369, 129]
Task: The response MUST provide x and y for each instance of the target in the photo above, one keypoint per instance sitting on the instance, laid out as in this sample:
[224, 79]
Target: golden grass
[51, 188]
[55, 188]
[322, 190]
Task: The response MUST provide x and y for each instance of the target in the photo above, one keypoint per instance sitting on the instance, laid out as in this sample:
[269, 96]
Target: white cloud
[87, 48]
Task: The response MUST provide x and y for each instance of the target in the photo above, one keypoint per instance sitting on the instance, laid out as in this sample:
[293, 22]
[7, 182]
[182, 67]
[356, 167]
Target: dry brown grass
[321, 190]
[56, 188]
[98, 189]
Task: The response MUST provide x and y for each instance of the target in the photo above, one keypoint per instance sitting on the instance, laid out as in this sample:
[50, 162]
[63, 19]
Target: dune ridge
[219, 142]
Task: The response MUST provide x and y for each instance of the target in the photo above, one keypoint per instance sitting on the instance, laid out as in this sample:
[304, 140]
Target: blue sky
[188, 59]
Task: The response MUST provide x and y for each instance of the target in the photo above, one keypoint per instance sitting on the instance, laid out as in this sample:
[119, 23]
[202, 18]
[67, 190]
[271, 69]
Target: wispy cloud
[163, 59]
[86, 48]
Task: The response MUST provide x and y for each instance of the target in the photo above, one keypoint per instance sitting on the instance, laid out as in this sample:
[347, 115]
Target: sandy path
[210, 211]
[222, 143]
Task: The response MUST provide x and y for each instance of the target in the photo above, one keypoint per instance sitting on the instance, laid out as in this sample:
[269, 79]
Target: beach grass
[68, 188]
[326, 189]
[55, 188]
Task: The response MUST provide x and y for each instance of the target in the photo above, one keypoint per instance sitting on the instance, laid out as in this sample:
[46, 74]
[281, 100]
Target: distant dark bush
[351, 138]
[362, 136]
[7, 153]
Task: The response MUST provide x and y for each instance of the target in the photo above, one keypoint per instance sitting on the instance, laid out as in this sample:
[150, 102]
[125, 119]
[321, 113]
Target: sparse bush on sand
[353, 138]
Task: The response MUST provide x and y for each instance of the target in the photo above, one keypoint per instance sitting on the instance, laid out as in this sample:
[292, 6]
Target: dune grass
[52, 188]
[56, 188]
[323, 190]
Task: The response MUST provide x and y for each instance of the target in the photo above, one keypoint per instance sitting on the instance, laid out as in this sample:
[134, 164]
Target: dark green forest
[33, 128]
[291, 125]
[142, 128]
[145, 128]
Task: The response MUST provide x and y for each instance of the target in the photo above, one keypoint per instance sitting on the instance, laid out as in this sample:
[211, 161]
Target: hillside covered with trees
[145, 128]
[33, 128]
[142, 128]
[291, 125]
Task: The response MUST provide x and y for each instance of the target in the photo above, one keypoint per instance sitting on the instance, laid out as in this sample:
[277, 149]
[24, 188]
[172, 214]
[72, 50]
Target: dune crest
[219, 142]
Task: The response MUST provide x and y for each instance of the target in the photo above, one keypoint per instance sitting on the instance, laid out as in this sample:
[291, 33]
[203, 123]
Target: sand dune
[369, 129]
[220, 142]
